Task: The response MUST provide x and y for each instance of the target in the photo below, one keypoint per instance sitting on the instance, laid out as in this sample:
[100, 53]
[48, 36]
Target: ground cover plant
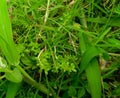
[59, 49]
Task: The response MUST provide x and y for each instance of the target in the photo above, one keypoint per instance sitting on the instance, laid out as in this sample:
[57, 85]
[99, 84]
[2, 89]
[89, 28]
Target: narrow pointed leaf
[103, 35]
[6, 39]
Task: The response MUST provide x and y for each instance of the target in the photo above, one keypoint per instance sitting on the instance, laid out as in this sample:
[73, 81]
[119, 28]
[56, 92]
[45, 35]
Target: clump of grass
[62, 44]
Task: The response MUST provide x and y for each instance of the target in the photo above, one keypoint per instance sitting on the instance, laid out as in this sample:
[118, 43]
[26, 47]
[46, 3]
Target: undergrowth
[70, 47]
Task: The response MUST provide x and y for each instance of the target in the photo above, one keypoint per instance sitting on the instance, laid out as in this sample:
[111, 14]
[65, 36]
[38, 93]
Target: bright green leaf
[14, 76]
[6, 39]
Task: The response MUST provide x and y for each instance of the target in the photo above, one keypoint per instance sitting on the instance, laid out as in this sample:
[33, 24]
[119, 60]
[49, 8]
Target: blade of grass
[102, 35]
[114, 21]
[100, 8]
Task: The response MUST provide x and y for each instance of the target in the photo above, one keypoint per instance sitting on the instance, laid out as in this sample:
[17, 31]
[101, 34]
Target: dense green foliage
[59, 49]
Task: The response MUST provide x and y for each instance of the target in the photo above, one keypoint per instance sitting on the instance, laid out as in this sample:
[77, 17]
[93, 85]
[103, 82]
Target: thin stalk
[46, 17]
[2, 77]
[32, 82]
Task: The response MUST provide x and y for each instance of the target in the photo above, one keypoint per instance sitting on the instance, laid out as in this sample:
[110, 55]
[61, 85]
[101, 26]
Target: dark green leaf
[72, 91]
[87, 57]
[81, 92]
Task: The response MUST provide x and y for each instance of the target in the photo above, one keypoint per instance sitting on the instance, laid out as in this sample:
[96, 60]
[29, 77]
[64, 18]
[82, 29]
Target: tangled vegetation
[59, 49]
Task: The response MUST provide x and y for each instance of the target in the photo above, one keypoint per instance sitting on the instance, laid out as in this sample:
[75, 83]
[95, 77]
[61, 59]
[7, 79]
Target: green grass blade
[100, 8]
[114, 21]
[6, 39]
[114, 42]
[102, 35]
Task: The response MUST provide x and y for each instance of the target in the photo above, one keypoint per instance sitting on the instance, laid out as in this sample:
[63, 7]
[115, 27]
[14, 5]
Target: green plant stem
[32, 82]
[2, 77]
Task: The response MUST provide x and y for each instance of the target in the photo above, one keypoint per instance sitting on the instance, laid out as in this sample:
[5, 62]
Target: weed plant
[59, 49]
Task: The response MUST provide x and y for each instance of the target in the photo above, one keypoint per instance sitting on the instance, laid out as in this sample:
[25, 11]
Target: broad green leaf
[94, 80]
[6, 39]
[14, 76]
[89, 54]
[12, 89]
[90, 65]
